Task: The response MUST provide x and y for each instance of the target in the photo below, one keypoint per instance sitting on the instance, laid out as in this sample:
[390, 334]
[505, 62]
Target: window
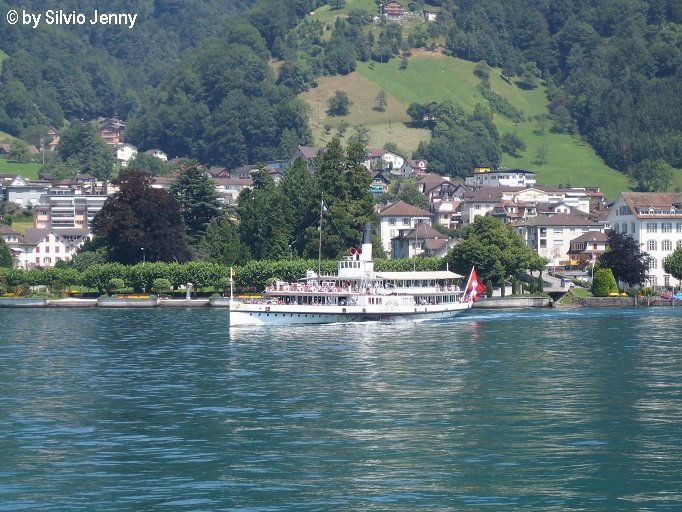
[632, 225]
[666, 280]
[558, 231]
[653, 263]
[651, 245]
[667, 227]
[56, 249]
[667, 245]
[391, 221]
[679, 244]
[615, 228]
[406, 221]
[651, 227]
[624, 228]
[37, 249]
[678, 227]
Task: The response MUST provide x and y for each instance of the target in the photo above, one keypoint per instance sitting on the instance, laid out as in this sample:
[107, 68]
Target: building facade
[654, 220]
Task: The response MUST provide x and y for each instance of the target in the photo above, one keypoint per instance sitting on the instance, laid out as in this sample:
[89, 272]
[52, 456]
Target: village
[566, 225]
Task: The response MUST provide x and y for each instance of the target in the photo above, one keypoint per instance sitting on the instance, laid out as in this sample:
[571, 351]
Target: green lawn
[431, 76]
[29, 170]
[326, 14]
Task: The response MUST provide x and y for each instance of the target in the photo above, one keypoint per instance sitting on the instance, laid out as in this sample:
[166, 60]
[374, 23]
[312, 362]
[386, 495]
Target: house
[111, 130]
[654, 220]
[399, 216]
[379, 184]
[44, 247]
[64, 207]
[551, 236]
[392, 10]
[124, 153]
[379, 159]
[421, 240]
[307, 153]
[447, 213]
[587, 248]
[429, 15]
[487, 177]
[414, 167]
[511, 211]
[157, 153]
[229, 188]
[25, 192]
[9, 235]
[54, 136]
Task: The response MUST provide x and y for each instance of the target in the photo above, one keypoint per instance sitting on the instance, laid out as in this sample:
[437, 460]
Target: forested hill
[81, 71]
[196, 77]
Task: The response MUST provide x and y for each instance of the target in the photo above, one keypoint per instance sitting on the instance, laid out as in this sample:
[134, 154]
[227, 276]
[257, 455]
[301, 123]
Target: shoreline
[513, 302]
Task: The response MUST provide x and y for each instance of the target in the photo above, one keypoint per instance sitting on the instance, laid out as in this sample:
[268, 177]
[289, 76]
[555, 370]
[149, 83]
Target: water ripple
[166, 410]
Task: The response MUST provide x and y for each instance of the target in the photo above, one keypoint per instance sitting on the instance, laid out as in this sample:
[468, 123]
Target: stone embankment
[606, 302]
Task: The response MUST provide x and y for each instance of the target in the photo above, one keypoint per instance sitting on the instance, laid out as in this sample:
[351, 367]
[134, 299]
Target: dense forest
[196, 78]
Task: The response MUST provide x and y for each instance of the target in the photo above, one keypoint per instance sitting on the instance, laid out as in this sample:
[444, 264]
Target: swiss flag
[474, 288]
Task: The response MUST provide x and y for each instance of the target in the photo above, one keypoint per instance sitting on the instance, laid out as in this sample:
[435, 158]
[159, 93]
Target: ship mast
[319, 246]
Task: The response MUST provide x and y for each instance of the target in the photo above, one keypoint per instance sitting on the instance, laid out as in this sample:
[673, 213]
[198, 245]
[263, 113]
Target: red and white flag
[474, 287]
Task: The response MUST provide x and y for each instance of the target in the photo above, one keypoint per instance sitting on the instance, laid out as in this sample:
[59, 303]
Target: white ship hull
[282, 314]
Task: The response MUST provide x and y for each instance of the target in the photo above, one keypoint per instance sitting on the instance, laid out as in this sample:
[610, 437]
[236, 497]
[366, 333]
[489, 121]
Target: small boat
[358, 294]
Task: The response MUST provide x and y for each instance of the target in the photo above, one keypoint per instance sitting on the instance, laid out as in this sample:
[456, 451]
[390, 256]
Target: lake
[165, 409]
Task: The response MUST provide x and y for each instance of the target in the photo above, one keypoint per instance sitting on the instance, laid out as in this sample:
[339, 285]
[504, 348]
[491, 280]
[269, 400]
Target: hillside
[431, 76]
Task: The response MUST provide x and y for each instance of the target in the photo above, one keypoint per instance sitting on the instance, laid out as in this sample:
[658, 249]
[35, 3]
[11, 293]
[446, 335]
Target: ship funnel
[366, 254]
[367, 233]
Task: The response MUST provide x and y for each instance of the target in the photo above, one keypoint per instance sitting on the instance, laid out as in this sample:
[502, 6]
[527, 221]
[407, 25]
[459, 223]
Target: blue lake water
[165, 409]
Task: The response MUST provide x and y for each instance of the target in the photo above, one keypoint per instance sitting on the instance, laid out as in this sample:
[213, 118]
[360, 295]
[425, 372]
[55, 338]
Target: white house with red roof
[400, 216]
[654, 220]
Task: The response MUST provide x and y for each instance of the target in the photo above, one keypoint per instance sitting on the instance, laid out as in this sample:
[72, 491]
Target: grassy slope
[434, 77]
[28, 170]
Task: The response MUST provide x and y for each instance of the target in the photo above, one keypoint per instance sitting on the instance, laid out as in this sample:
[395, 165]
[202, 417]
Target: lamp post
[144, 255]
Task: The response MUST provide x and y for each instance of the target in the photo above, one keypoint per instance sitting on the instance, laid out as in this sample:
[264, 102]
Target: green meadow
[431, 76]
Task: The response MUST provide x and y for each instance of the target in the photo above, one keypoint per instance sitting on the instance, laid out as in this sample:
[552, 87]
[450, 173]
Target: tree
[603, 283]
[337, 4]
[344, 184]
[221, 243]
[512, 144]
[302, 192]
[5, 255]
[140, 222]
[411, 195]
[150, 164]
[653, 175]
[495, 249]
[541, 154]
[81, 145]
[625, 259]
[360, 136]
[339, 104]
[198, 199]
[19, 152]
[382, 101]
[264, 214]
[673, 264]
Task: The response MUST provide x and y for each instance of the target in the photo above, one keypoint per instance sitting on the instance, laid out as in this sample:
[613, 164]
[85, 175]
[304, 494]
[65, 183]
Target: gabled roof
[591, 236]
[641, 203]
[7, 230]
[33, 236]
[308, 151]
[403, 209]
[423, 232]
[560, 219]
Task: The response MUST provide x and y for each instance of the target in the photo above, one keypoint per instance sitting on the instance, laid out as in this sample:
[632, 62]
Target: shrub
[114, 284]
[161, 285]
[603, 283]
